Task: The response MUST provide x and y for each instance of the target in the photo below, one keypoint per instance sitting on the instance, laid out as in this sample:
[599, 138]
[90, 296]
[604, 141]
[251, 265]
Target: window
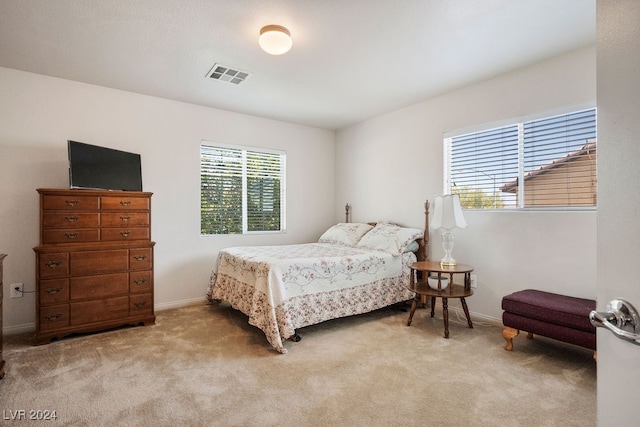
[242, 190]
[555, 158]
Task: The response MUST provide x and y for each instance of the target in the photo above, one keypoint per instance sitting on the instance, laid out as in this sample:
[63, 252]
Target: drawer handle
[125, 202]
[125, 233]
[71, 235]
[53, 317]
[71, 218]
[140, 257]
[140, 304]
[53, 264]
[71, 203]
[140, 281]
[53, 291]
[125, 218]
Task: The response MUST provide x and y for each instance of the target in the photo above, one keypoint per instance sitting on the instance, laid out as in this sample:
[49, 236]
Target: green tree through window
[241, 190]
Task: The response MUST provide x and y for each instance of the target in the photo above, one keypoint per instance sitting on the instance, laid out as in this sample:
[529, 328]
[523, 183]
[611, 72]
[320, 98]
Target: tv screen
[101, 168]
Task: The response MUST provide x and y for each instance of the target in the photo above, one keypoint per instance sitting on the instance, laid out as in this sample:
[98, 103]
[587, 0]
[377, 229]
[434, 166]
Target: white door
[618, 259]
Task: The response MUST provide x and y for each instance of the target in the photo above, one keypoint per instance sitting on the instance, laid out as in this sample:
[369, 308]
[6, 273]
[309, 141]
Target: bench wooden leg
[530, 335]
[508, 334]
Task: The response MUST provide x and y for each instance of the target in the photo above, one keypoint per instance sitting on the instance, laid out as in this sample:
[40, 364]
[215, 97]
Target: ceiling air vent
[227, 74]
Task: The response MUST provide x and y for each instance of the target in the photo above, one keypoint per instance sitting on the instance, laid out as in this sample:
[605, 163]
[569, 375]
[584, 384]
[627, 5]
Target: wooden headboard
[423, 244]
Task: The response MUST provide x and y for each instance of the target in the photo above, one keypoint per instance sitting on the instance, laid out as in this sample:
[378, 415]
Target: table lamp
[447, 215]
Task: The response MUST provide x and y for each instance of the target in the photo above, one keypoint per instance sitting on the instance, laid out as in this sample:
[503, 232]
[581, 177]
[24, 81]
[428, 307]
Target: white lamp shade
[275, 39]
[447, 213]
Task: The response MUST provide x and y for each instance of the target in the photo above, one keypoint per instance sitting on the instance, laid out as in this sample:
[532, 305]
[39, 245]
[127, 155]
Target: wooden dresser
[1, 287]
[94, 265]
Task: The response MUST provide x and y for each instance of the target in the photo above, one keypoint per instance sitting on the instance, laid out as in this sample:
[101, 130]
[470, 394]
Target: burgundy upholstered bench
[556, 316]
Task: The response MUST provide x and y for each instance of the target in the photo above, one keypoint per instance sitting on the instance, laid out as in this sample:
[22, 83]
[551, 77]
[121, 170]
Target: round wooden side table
[421, 287]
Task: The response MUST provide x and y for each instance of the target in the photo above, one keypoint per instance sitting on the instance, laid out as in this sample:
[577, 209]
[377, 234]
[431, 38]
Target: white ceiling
[351, 59]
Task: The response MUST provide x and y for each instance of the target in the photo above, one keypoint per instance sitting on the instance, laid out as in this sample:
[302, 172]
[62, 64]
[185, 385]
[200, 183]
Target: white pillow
[390, 238]
[347, 234]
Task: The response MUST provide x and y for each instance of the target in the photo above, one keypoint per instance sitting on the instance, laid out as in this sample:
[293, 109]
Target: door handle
[621, 318]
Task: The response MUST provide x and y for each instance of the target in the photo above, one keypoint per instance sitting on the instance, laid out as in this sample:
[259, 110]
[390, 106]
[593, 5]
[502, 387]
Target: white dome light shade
[275, 39]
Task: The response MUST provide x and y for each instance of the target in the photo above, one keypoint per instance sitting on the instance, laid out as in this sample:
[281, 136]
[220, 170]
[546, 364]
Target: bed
[354, 268]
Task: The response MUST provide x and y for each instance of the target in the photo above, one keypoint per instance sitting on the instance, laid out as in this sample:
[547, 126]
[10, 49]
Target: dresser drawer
[70, 235]
[53, 291]
[122, 219]
[99, 262]
[124, 203]
[70, 202]
[100, 310]
[92, 287]
[54, 317]
[140, 282]
[141, 305]
[70, 220]
[140, 259]
[52, 265]
[122, 234]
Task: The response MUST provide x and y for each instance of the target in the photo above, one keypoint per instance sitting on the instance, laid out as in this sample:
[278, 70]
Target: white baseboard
[478, 317]
[180, 303]
[19, 329]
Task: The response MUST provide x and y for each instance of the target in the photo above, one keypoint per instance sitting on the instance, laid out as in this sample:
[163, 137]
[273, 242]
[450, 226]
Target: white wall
[388, 166]
[37, 116]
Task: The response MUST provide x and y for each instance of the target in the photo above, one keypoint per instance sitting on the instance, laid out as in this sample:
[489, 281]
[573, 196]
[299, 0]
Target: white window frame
[448, 180]
[244, 190]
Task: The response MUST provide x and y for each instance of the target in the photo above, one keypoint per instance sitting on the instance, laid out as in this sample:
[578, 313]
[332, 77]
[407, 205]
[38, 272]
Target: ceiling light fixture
[275, 39]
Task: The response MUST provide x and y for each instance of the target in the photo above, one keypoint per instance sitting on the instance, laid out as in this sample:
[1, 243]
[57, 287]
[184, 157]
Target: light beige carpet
[205, 366]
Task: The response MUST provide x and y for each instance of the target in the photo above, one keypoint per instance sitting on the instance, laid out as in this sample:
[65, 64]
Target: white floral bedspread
[281, 288]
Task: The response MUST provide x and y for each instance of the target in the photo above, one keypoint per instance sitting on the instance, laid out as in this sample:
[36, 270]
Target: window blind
[221, 190]
[554, 157]
[264, 172]
[481, 163]
[559, 160]
[241, 190]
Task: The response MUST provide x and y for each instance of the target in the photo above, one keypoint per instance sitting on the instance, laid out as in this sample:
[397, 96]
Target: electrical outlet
[474, 281]
[16, 290]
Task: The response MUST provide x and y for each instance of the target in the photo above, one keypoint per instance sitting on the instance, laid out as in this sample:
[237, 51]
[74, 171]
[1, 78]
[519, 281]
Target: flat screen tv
[101, 168]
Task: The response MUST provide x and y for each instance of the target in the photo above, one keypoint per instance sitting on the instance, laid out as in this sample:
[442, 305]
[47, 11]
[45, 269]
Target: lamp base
[448, 263]
[447, 246]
